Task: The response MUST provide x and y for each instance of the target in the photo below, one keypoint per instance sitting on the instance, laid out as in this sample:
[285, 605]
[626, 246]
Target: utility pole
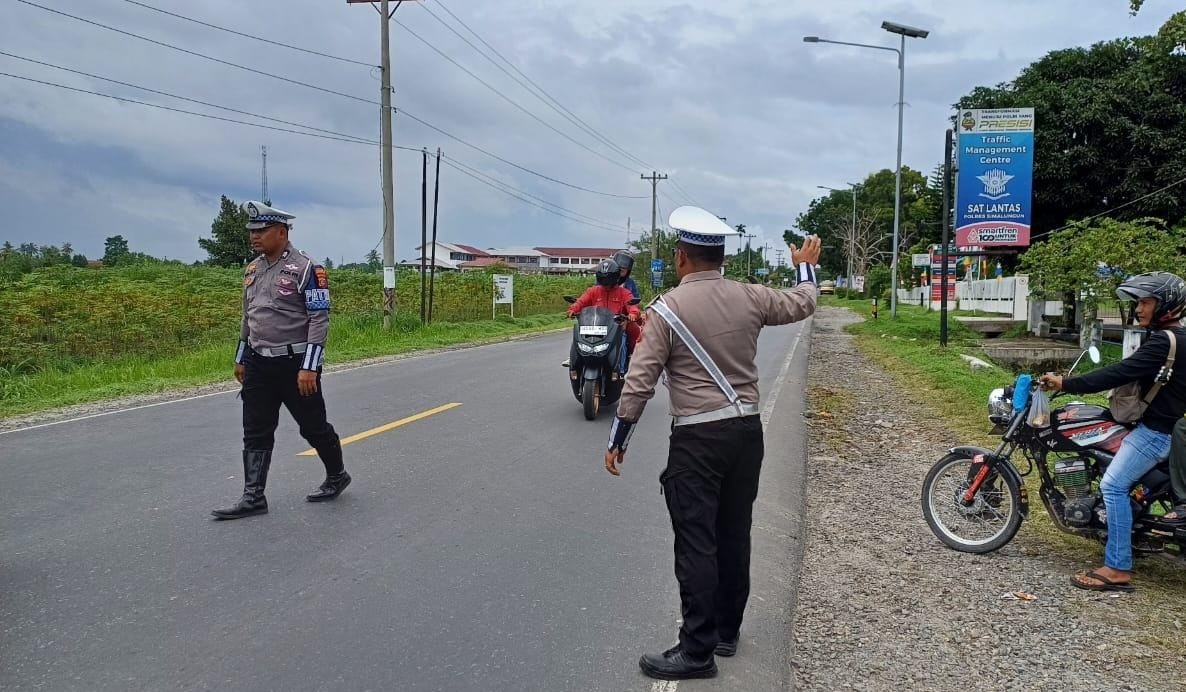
[627, 231]
[748, 253]
[263, 175]
[778, 258]
[654, 178]
[388, 170]
[387, 165]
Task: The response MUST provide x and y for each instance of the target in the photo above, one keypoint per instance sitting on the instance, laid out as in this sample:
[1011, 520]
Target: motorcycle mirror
[1094, 354]
[570, 300]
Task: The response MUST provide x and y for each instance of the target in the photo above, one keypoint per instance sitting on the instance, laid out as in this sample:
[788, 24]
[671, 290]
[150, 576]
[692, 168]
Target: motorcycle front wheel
[990, 520]
[591, 398]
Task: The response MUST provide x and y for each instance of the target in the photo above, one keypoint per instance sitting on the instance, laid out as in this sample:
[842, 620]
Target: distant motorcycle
[597, 359]
[974, 499]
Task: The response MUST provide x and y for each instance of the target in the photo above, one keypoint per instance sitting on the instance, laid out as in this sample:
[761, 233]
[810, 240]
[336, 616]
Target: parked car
[827, 287]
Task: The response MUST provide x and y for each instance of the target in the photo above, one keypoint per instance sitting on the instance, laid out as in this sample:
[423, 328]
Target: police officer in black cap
[281, 344]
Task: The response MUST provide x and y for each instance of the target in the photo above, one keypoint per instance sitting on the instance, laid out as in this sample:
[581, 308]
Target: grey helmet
[1169, 290]
[607, 273]
[625, 261]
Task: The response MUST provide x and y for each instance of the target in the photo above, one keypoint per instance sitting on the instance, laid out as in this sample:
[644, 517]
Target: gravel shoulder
[882, 604]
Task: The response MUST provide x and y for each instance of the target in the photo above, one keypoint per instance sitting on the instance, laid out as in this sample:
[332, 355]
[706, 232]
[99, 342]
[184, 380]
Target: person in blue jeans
[1160, 298]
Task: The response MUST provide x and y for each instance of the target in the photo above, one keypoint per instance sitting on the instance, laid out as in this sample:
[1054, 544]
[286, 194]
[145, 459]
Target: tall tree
[79, 261]
[115, 248]
[1111, 130]
[1091, 259]
[229, 244]
[830, 216]
[373, 262]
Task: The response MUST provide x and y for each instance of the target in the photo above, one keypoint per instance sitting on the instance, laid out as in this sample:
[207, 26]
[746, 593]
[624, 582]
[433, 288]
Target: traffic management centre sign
[994, 194]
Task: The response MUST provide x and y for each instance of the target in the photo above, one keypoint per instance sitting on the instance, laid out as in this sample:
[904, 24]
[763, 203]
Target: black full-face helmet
[625, 261]
[1169, 290]
[607, 273]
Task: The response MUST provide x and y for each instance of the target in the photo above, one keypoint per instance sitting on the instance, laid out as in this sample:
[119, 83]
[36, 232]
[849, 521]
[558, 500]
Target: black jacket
[1170, 403]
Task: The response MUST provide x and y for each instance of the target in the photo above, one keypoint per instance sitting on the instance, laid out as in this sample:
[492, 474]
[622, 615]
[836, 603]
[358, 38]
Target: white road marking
[335, 371]
[118, 410]
[664, 686]
[782, 374]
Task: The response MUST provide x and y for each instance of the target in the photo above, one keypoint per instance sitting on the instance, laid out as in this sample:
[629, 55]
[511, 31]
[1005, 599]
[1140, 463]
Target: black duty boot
[675, 664]
[336, 478]
[255, 478]
[330, 488]
[727, 647]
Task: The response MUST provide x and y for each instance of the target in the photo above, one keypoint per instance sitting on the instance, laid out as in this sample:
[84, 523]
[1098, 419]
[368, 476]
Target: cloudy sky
[722, 96]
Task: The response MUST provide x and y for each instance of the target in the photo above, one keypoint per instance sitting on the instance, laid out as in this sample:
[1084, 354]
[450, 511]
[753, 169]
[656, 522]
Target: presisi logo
[252, 210]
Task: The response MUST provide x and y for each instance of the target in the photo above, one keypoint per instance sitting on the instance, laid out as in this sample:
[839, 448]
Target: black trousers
[270, 382]
[1178, 461]
[710, 484]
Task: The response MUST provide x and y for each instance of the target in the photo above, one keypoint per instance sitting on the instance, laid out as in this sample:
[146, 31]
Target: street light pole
[852, 239]
[903, 31]
[850, 243]
[898, 178]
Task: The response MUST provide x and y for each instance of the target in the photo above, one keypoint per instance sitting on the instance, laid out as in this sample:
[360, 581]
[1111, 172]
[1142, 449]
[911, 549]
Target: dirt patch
[882, 604]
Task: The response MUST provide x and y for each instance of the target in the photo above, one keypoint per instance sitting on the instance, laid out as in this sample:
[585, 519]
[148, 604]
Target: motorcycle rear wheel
[591, 398]
[986, 524]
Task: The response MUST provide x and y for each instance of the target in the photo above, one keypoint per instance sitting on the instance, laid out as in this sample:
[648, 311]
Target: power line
[183, 98]
[1109, 211]
[495, 181]
[350, 139]
[534, 204]
[558, 107]
[510, 191]
[684, 192]
[405, 113]
[521, 195]
[312, 86]
[510, 100]
[200, 55]
[244, 35]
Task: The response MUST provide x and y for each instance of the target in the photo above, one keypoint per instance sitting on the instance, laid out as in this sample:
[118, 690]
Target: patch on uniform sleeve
[317, 299]
[321, 277]
[248, 280]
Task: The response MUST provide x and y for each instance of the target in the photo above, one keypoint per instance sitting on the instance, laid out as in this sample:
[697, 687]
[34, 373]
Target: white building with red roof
[543, 260]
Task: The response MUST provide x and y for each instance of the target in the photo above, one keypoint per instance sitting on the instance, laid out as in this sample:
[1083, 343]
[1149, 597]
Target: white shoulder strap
[697, 350]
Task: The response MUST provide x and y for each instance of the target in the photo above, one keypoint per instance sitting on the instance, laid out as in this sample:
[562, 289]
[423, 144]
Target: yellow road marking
[389, 426]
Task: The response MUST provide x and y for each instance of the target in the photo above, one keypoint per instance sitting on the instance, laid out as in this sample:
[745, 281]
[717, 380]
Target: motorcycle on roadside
[597, 359]
[974, 499]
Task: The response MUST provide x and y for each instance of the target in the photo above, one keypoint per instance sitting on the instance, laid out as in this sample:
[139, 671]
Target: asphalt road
[481, 548]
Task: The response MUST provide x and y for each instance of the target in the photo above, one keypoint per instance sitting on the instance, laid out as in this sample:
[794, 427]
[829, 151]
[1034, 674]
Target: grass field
[75, 335]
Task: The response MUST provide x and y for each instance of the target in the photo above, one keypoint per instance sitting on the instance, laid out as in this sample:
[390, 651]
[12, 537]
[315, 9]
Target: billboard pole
[946, 238]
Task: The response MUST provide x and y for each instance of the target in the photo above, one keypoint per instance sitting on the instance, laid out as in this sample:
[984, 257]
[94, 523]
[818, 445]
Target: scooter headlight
[601, 348]
[585, 348]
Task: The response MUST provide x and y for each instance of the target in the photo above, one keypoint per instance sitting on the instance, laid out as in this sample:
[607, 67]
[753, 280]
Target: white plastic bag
[1039, 414]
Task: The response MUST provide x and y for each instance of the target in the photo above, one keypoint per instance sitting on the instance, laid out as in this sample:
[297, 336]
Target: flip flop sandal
[1105, 584]
[1179, 520]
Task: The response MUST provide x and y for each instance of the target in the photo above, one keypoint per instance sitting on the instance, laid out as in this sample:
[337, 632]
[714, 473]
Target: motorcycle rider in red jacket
[609, 294]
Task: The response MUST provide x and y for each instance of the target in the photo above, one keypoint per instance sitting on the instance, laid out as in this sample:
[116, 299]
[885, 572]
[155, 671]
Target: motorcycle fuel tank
[1080, 426]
